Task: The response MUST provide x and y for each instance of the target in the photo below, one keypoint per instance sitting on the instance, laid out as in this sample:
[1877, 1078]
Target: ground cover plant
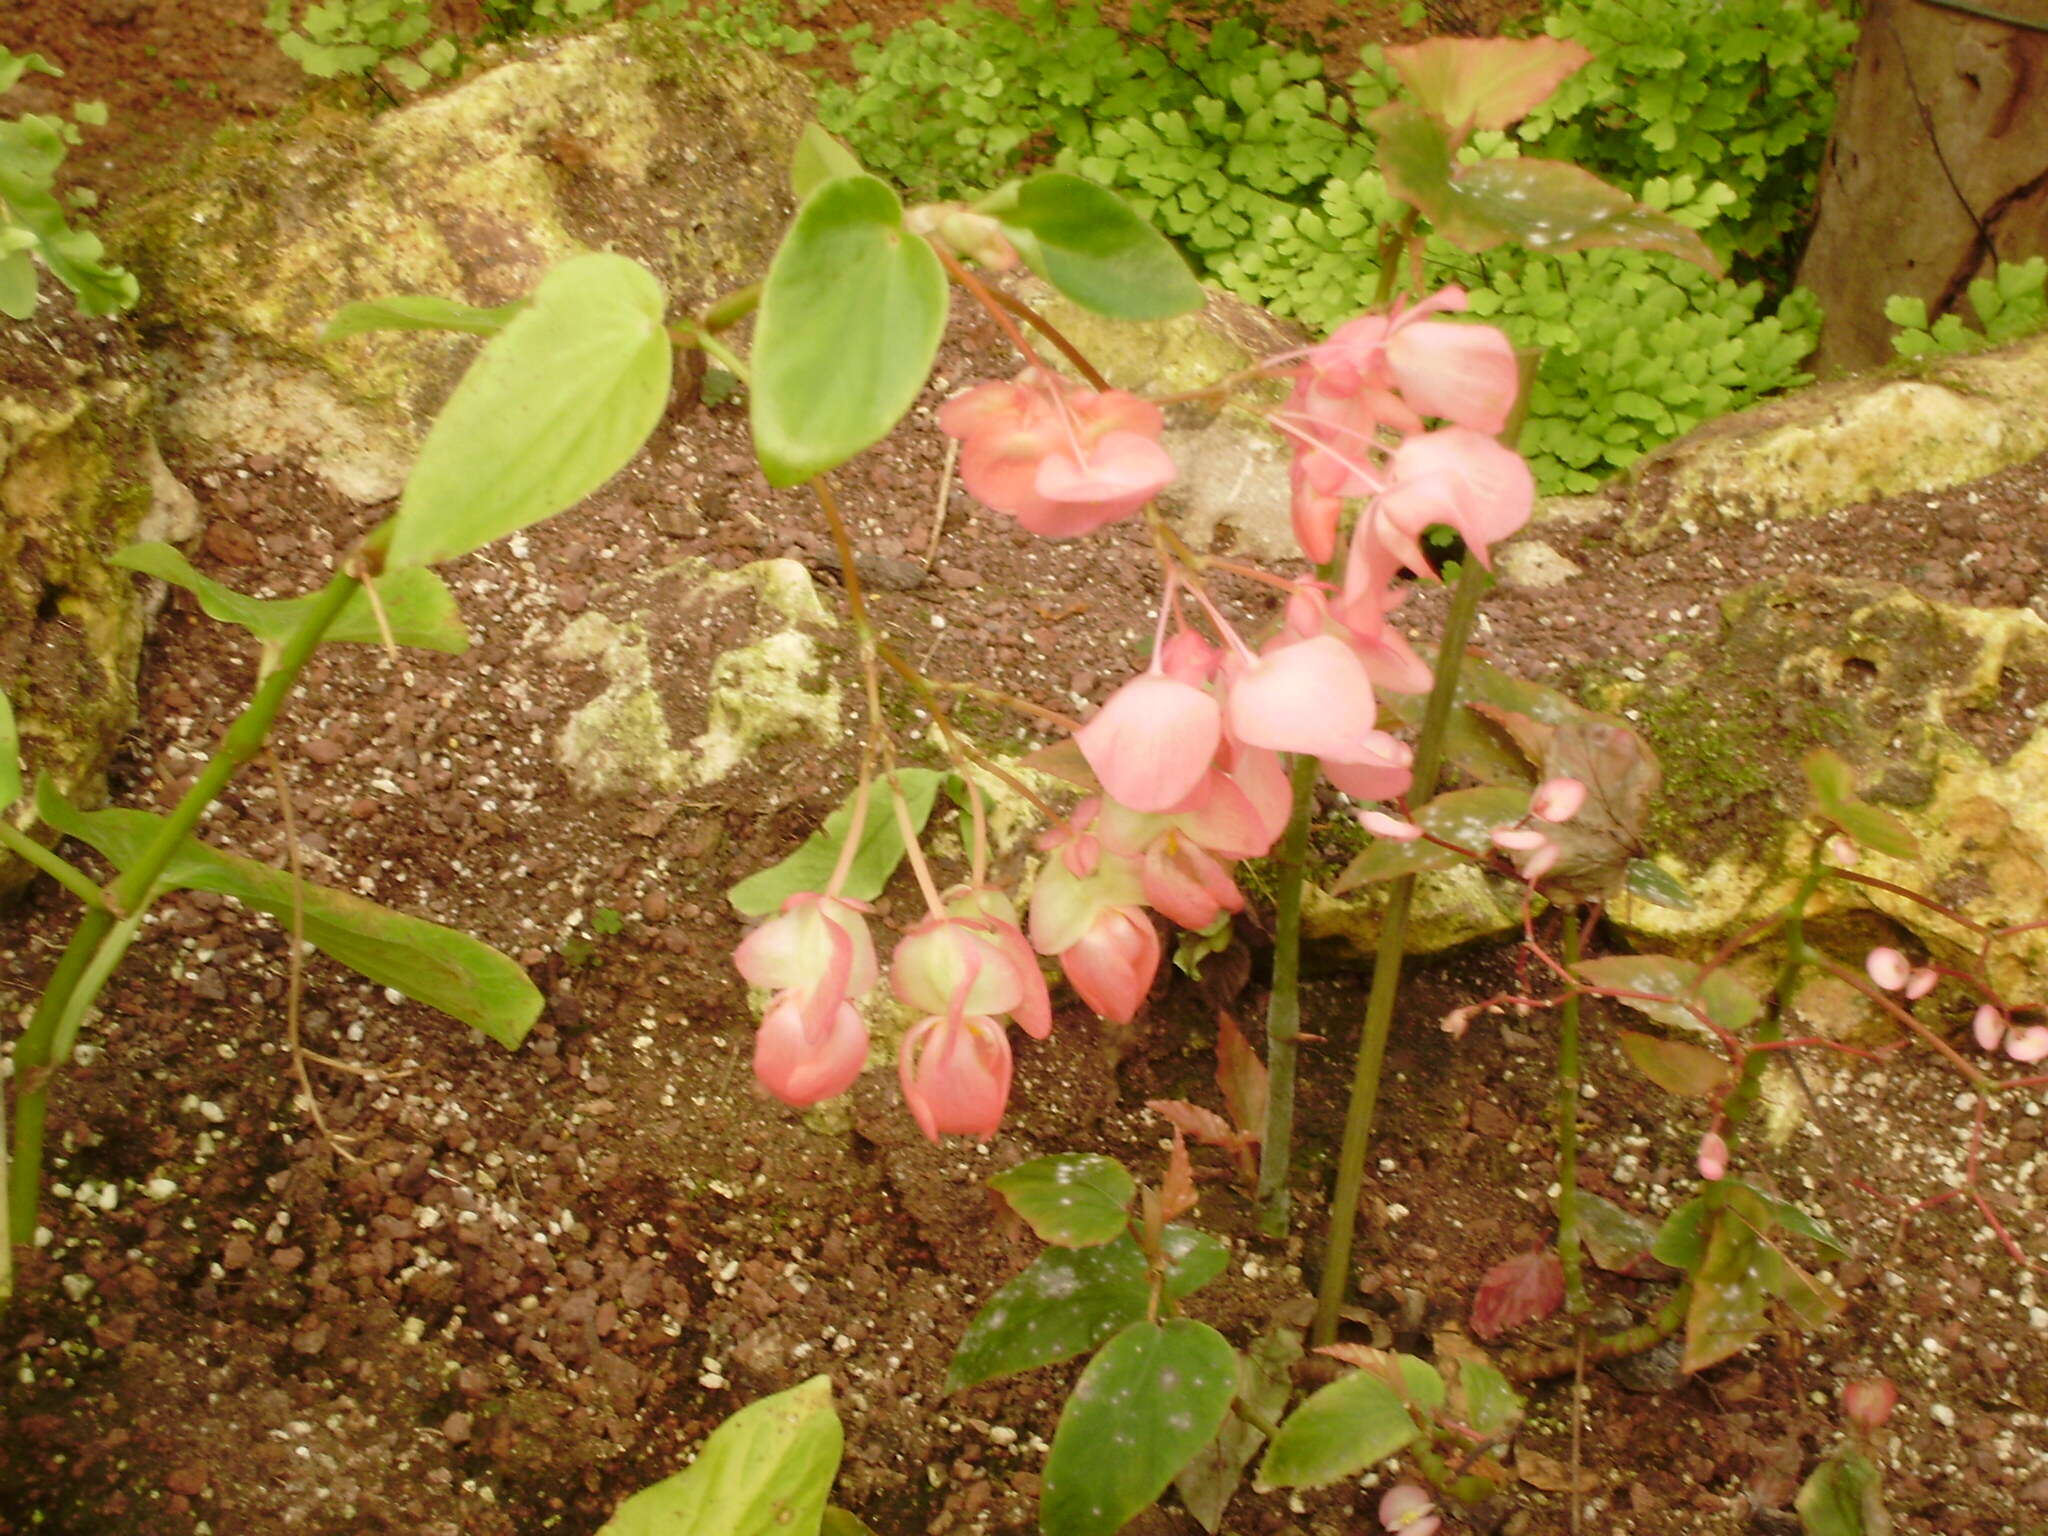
[1398, 418]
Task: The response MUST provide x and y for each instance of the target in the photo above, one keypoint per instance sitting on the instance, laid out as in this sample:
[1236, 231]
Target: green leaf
[1545, 206]
[1485, 82]
[31, 149]
[1844, 1497]
[1092, 246]
[841, 1522]
[1491, 1404]
[881, 848]
[819, 157]
[555, 404]
[418, 312]
[1673, 988]
[1676, 1066]
[1658, 886]
[1265, 1381]
[1071, 1299]
[1074, 1199]
[1681, 1241]
[1355, 1422]
[1728, 1294]
[1616, 1238]
[417, 604]
[1834, 800]
[1462, 816]
[766, 1471]
[1783, 1213]
[17, 283]
[10, 756]
[850, 319]
[1140, 1412]
[445, 969]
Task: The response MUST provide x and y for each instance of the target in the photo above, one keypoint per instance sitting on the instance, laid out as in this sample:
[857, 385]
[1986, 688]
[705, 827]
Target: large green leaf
[555, 404]
[417, 605]
[1465, 817]
[418, 312]
[1140, 1412]
[1670, 989]
[874, 861]
[1092, 246]
[1545, 206]
[1074, 1199]
[1353, 1423]
[1071, 1299]
[851, 315]
[1265, 1381]
[461, 976]
[766, 1471]
[10, 756]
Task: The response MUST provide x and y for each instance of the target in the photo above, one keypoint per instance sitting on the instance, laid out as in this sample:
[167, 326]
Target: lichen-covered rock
[735, 652]
[79, 478]
[1928, 702]
[632, 138]
[1859, 439]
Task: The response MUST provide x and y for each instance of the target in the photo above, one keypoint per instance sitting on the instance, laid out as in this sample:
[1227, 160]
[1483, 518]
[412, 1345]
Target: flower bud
[1868, 1403]
[1988, 1025]
[1713, 1156]
[1888, 968]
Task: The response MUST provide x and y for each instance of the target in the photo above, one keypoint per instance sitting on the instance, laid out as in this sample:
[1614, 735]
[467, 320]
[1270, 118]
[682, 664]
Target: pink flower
[1457, 477]
[1409, 1511]
[1062, 459]
[955, 1073]
[962, 964]
[1518, 839]
[1378, 767]
[816, 950]
[1988, 1025]
[997, 914]
[1557, 800]
[1153, 741]
[1923, 981]
[1184, 882]
[1713, 1156]
[2028, 1045]
[802, 1065]
[1888, 968]
[1313, 696]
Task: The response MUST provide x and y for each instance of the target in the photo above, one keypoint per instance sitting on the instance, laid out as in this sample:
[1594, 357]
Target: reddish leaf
[1242, 1077]
[1523, 1289]
[1177, 1189]
[1485, 82]
[1205, 1125]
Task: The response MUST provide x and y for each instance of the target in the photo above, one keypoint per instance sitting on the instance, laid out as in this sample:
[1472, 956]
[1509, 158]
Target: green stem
[104, 958]
[1283, 1008]
[1772, 1025]
[1386, 966]
[1392, 249]
[35, 1054]
[50, 862]
[1568, 1128]
[1640, 1339]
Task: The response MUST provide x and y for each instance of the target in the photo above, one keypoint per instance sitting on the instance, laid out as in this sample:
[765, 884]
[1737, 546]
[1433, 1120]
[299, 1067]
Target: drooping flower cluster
[1991, 1025]
[1394, 415]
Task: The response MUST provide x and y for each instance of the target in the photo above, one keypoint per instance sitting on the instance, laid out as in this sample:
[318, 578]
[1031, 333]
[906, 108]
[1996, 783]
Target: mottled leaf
[1616, 1239]
[1670, 989]
[1728, 1294]
[1140, 1412]
[1073, 1199]
[1844, 1497]
[1465, 817]
[1657, 885]
[1265, 1381]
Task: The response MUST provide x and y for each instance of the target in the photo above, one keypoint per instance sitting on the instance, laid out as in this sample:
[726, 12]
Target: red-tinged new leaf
[1486, 82]
[1242, 1077]
[1524, 1289]
[1177, 1189]
[1205, 1125]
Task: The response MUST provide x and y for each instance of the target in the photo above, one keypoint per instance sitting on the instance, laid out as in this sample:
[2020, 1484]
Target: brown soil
[509, 1289]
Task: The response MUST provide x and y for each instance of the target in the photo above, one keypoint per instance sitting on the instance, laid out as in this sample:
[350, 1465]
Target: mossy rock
[633, 138]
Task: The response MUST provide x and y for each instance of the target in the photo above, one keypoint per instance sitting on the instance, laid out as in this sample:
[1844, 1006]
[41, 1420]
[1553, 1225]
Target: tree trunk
[1938, 165]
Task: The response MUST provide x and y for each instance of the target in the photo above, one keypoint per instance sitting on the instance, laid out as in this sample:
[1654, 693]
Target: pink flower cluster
[1991, 1025]
[1395, 414]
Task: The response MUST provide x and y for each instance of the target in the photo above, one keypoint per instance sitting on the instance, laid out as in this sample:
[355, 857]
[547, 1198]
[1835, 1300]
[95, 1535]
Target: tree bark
[1938, 165]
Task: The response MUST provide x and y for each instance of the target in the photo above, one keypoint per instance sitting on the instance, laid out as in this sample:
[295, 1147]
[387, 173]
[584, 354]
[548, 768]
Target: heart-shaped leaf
[1092, 246]
[555, 404]
[850, 319]
[1353, 1423]
[1140, 1412]
[766, 1471]
[1465, 817]
[1493, 82]
[1073, 1199]
[461, 976]
[417, 605]
[1676, 1066]
[418, 312]
[1071, 1299]
[1546, 206]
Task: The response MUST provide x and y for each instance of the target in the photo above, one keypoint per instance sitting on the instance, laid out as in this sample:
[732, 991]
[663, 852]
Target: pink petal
[1314, 697]
[1888, 968]
[2028, 1045]
[1557, 800]
[1113, 964]
[1923, 981]
[1988, 1025]
[1713, 1156]
[1518, 839]
[1463, 373]
[1464, 479]
[955, 1073]
[1378, 768]
[1123, 468]
[1153, 741]
[1185, 885]
[1380, 824]
[801, 1070]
